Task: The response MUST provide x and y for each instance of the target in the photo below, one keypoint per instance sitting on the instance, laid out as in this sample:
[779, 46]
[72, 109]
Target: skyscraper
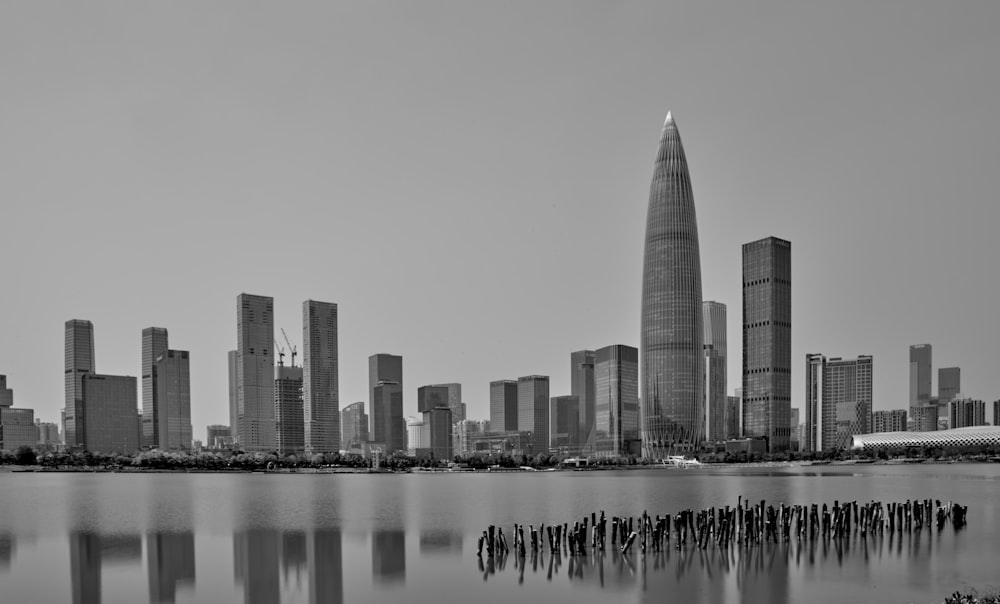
[454, 401]
[923, 413]
[767, 341]
[431, 397]
[503, 405]
[354, 426]
[6, 394]
[533, 410]
[581, 378]
[255, 372]
[79, 361]
[289, 425]
[171, 409]
[320, 377]
[847, 400]
[966, 412]
[949, 383]
[437, 422]
[813, 437]
[671, 335]
[388, 425]
[154, 343]
[564, 422]
[383, 367]
[234, 397]
[616, 418]
[714, 346]
[889, 421]
[111, 414]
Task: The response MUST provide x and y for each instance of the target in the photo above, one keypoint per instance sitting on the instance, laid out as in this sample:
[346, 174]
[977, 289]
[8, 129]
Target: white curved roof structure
[957, 437]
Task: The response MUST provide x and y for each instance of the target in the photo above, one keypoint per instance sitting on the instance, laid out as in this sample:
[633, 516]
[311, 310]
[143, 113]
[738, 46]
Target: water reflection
[170, 562]
[440, 543]
[388, 557]
[256, 565]
[88, 551]
[8, 545]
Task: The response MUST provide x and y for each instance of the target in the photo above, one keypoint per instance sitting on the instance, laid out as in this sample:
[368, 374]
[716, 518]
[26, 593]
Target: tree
[25, 456]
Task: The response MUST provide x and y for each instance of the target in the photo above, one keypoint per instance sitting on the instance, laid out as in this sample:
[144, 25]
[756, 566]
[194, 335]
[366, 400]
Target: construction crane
[281, 354]
[291, 346]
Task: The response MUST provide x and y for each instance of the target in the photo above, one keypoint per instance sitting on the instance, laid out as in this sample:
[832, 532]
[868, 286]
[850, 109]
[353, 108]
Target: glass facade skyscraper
[255, 372]
[533, 410]
[320, 377]
[616, 410]
[154, 343]
[714, 346]
[79, 361]
[671, 322]
[923, 412]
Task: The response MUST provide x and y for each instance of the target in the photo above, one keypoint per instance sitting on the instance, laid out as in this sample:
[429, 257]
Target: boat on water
[679, 461]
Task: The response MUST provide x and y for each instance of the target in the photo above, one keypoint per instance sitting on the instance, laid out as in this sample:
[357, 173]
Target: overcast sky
[468, 181]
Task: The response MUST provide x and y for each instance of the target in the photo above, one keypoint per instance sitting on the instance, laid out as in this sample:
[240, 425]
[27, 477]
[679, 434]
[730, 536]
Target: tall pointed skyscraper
[672, 415]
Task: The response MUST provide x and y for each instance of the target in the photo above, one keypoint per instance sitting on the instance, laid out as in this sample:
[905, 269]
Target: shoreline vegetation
[26, 459]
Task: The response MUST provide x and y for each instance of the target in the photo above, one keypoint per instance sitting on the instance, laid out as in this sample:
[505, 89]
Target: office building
[454, 400]
[767, 341]
[616, 417]
[503, 406]
[438, 427]
[466, 431]
[79, 361]
[966, 412]
[564, 423]
[255, 429]
[533, 410]
[996, 413]
[416, 436]
[431, 397]
[6, 394]
[289, 424]
[234, 417]
[17, 428]
[321, 377]
[171, 403]
[813, 430]
[154, 343]
[48, 434]
[388, 430]
[714, 347]
[111, 415]
[671, 330]
[923, 412]
[949, 383]
[581, 378]
[354, 426]
[847, 401]
[384, 368]
[732, 417]
[889, 420]
[795, 437]
[218, 436]
[170, 556]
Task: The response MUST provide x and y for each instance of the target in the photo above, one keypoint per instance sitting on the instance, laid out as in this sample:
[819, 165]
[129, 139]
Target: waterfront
[112, 538]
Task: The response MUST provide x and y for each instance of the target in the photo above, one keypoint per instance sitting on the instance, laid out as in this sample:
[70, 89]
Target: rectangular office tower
[154, 343]
[564, 423]
[234, 397]
[438, 425]
[354, 426]
[714, 347]
[581, 374]
[616, 394]
[79, 361]
[767, 341]
[320, 377]
[503, 406]
[171, 409]
[111, 423]
[812, 438]
[847, 401]
[289, 430]
[388, 427]
[431, 397]
[454, 401]
[533, 410]
[923, 411]
[255, 372]
[889, 420]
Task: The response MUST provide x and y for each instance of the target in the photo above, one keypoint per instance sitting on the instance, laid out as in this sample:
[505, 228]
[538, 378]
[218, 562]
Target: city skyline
[771, 160]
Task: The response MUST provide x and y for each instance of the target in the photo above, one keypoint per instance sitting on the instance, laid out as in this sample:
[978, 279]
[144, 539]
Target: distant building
[234, 417]
[431, 397]
[996, 413]
[533, 410]
[17, 428]
[438, 424]
[388, 426]
[6, 394]
[171, 377]
[48, 434]
[564, 423]
[966, 413]
[889, 421]
[383, 367]
[465, 433]
[503, 405]
[795, 430]
[154, 343]
[218, 437]
[715, 349]
[813, 430]
[949, 386]
[923, 413]
[111, 415]
[289, 425]
[767, 341]
[733, 417]
[79, 361]
[975, 436]
[354, 426]
[255, 425]
[454, 401]
[582, 386]
[616, 395]
[847, 400]
[415, 435]
[321, 377]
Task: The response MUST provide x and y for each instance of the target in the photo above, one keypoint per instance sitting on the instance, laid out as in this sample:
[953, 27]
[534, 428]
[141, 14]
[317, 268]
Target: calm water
[251, 538]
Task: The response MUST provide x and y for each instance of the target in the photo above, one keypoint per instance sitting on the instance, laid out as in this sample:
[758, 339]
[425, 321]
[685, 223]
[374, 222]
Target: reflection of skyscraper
[440, 542]
[671, 334]
[388, 556]
[170, 558]
[256, 565]
[7, 547]
[85, 567]
[324, 552]
[293, 557]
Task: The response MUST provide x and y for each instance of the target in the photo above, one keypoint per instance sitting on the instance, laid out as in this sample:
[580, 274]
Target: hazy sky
[468, 181]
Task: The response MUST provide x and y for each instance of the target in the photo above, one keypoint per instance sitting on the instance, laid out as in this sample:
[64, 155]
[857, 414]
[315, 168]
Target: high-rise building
[847, 401]
[431, 397]
[111, 414]
[466, 431]
[388, 424]
[384, 367]
[564, 423]
[949, 383]
[154, 343]
[966, 412]
[17, 428]
[234, 397]
[714, 346]
[996, 413]
[289, 424]
[416, 435]
[48, 434]
[813, 431]
[616, 417]
[321, 377]
[767, 341]
[218, 436]
[255, 373]
[354, 426]
[79, 361]
[732, 417]
[671, 333]
[581, 378]
[454, 401]
[533, 410]
[889, 421]
[795, 430]
[171, 404]
[923, 413]
[438, 424]
[6, 394]
[503, 405]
